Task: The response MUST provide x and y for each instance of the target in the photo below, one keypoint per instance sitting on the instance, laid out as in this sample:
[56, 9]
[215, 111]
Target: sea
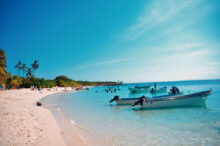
[111, 124]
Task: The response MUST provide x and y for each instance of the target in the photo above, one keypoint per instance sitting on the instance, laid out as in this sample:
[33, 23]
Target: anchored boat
[178, 100]
[124, 101]
[139, 89]
[131, 101]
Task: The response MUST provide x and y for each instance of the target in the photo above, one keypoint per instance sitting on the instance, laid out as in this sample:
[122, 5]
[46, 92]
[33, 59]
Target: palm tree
[35, 65]
[23, 67]
[18, 66]
[29, 72]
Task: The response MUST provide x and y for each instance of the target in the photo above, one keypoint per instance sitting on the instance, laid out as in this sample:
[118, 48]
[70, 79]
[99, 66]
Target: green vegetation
[9, 81]
[13, 81]
[39, 82]
[3, 74]
[63, 81]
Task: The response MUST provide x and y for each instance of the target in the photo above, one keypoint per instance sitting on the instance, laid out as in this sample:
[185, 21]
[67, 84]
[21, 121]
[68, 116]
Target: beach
[86, 118]
[24, 123]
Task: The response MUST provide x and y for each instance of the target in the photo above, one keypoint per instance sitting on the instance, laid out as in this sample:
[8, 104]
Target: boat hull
[126, 101]
[175, 103]
[178, 101]
[131, 101]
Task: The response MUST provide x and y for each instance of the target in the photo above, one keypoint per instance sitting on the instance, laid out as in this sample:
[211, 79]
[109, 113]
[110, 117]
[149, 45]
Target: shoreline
[68, 129]
[24, 123]
[73, 132]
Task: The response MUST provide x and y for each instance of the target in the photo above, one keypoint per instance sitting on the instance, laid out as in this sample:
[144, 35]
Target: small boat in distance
[178, 100]
[138, 89]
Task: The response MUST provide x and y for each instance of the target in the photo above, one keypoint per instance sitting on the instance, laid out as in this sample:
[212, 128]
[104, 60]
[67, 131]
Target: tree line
[28, 79]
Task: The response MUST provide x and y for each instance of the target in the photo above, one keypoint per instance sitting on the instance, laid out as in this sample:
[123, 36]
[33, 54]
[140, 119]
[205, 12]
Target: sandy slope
[24, 123]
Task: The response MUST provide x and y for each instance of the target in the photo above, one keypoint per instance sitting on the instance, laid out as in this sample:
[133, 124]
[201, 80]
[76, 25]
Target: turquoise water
[125, 125]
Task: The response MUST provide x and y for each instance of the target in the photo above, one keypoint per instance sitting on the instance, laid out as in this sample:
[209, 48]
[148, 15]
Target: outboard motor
[141, 100]
[174, 90]
[116, 97]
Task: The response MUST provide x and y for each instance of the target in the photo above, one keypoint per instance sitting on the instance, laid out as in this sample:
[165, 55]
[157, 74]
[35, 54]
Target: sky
[130, 41]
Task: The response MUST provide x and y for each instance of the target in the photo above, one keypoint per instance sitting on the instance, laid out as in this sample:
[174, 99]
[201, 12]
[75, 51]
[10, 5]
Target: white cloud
[160, 12]
[165, 43]
[101, 63]
[195, 64]
[180, 62]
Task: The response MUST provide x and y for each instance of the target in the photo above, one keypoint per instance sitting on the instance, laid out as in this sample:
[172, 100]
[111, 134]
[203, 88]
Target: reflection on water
[127, 125]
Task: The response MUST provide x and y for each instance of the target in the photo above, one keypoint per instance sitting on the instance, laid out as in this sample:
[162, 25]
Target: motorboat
[131, 101]
[174, 100]
[138, 89]
[124, 101]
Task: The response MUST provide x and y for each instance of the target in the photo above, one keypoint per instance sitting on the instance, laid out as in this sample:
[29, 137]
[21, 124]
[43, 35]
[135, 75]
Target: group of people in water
[111, 90]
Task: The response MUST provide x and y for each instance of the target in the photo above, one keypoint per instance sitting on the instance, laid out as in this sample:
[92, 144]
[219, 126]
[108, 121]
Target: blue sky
[132, 41]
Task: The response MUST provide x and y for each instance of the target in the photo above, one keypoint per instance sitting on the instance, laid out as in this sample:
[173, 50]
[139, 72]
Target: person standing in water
[155, 86]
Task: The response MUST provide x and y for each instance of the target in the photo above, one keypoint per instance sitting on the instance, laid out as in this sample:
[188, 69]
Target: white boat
[179, 100]
[158, 90]
[124, 101]
[131, 101]
[139, 89]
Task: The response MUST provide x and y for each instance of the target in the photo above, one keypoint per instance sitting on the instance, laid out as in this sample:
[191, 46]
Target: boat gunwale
[179, 97]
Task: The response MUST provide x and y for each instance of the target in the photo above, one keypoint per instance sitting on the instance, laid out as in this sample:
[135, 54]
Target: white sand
[24, 123]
